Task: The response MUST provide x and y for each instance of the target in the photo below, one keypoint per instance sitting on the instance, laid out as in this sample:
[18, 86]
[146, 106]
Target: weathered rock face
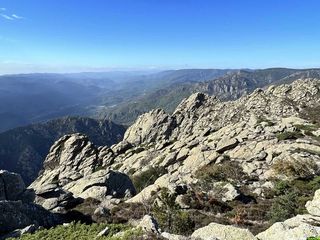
[16, 208]
[75, 147]
[143, 129]
[101, 184]
[11, 185]
[298, 228]
[222, 232]
[149, 224]
[203, 131]
[265, 136]
[313, 206]
[23, 150]
[200, 113]
[15, 215]
[75, 169]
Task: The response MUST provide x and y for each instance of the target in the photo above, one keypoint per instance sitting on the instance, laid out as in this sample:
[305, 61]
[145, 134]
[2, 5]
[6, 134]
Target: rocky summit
[73, 169]
[242, 169]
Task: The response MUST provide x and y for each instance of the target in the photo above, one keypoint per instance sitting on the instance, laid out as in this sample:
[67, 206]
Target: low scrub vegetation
[199, 200]
[284, 207]
[290, 197]
[295, 169]
[308, 130]
[306, 127]
[170, 217]
[307, 151]
[83, 231]
[124, 212]
[265, 120]
[289, 135]
[227, 171]
[147, 177]
[312, 114]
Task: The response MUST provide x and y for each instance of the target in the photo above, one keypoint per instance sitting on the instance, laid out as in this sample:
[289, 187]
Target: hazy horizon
[88, 36]
[141, 71]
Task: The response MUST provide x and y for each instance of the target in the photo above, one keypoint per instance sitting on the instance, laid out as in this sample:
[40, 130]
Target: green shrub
[312, 114]
[308, 130]
[138, 150]
[295, 169]
[289, 135]
[124, 212]
[117, 166]
[170, 217]
[302, 187]
[147, 177]
[202, 201]
[284, 207]
[82, 231]
[307, 127]
[86, 210]
[307, 151]
[290, 197]
[98, 168]
[130, 234]
[313, 238]
[183, 223]
[263, 119]
[226, 171]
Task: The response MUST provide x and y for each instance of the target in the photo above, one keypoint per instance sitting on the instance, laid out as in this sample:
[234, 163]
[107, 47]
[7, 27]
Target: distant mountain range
[32, 98]
[230, 86]
[122, 96]
[23, 149]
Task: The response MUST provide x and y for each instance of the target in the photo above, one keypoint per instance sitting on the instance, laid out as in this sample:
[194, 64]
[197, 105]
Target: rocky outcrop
[16, 206]
[201, 114]
[260, 132]
[253, 141]
[222, 232]
[149, 224]
[11, 186]
[102, 183]
[16, 215]
[32, 143]
[298, 228]
[313, 206]
[74, 170]
[143, 129]
[207, 154]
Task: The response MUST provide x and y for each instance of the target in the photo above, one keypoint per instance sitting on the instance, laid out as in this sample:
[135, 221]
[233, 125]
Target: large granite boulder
[16, 215]
[299, 227]
[149, 224]
[313, 206]
[11, 185]
[151, 126]
[222, 232]
[101, 184]
[16, 208]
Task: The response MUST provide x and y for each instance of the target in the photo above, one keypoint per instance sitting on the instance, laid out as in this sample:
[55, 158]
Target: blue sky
[74, 35]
